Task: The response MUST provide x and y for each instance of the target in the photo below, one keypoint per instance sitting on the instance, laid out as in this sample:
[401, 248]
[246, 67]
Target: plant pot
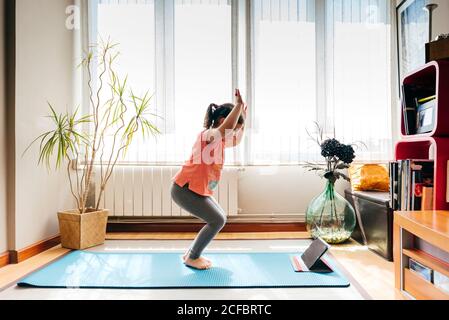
[81, 231]
[330, 216]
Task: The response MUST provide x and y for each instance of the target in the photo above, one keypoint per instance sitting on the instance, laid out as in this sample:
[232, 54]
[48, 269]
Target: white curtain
[359, 77]
[179, 50]
[324, 61]
[284, 81]
[311, 60]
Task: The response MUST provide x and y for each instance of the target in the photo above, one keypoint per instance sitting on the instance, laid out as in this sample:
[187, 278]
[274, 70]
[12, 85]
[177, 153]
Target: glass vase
[330, 216]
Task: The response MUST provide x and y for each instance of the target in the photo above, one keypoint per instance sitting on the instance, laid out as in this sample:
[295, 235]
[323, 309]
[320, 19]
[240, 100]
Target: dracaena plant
[115, 116]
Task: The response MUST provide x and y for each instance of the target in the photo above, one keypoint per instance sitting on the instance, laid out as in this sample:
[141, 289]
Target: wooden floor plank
[372, 272]
[13, 272]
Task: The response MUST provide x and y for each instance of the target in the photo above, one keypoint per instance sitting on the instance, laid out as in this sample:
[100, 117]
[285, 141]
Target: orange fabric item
[203, 169]
[369, 177]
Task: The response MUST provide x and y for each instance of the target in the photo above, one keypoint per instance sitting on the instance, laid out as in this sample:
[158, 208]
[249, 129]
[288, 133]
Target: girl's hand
[238, 97]
[239, 101]
[230, 122]
[245, 111]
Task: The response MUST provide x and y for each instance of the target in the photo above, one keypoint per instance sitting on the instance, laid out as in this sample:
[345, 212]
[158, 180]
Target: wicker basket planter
[81, 231]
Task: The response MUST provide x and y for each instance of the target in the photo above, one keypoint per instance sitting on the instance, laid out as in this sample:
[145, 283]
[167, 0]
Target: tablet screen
[314, 252]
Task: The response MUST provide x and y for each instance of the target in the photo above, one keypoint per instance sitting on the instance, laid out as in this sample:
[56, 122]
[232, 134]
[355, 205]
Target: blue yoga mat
[86, 269]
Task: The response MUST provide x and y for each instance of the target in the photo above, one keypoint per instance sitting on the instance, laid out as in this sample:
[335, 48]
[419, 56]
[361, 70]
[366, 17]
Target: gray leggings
[205, 208]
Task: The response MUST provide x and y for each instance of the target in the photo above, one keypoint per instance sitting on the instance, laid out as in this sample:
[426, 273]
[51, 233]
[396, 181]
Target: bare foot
[200, 263]
[184, 257]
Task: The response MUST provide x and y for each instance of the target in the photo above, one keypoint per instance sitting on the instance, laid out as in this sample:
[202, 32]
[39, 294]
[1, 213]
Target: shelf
[420, 288]
[419, 148]
[431, 226]
[428, 260]
[431, 79]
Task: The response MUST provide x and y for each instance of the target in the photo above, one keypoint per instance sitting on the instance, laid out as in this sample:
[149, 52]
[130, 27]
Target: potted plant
[330, 216]
[99, 138]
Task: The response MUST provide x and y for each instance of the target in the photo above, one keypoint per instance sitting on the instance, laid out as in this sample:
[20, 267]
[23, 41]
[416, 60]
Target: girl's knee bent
[219, 222]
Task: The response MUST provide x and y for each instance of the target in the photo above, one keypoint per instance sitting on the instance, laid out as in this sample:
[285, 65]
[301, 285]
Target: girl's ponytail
[215, 112]
[209, 118]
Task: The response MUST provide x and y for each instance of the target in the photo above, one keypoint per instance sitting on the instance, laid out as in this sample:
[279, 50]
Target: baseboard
[4, 259]
[195, 227]
[17, 256]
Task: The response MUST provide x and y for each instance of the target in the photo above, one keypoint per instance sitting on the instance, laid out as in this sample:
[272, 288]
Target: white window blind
[303, 61]
[284, 80]
[358, 75]
[133, 27]
[170, 48]
[203, 66]
[325, 61]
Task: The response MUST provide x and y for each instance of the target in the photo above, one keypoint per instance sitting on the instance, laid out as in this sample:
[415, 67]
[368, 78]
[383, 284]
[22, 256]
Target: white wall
[44, 51]
[3, 150]
[280, 190]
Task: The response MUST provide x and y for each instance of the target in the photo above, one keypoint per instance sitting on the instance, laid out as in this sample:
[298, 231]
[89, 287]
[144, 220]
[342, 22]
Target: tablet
[314, 252]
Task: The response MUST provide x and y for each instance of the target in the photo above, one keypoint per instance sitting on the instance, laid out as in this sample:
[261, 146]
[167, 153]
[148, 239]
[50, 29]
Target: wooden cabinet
[432, 227]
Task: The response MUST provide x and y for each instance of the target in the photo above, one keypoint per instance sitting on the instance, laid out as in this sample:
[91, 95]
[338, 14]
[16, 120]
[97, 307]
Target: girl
[194, 184]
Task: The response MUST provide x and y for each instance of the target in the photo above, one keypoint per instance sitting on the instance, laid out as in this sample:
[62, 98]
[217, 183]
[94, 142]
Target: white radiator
[144, 191]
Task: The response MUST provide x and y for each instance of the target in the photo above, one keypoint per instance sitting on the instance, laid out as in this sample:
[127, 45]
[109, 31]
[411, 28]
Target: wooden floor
[374, 274]
[13, 272]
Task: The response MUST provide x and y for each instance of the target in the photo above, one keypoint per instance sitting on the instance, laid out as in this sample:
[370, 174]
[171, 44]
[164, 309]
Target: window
[413, 34]
[284, 80]
[299, 61]
[203, 65]
[170, 48]
[136, 35]
[358, 78]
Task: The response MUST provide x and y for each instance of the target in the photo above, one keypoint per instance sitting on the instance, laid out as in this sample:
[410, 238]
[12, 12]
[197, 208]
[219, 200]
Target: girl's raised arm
[237, 137]
[232, 119]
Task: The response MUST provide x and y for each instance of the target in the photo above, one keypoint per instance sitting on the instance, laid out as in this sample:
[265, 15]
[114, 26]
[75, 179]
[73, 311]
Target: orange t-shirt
[203, 169]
